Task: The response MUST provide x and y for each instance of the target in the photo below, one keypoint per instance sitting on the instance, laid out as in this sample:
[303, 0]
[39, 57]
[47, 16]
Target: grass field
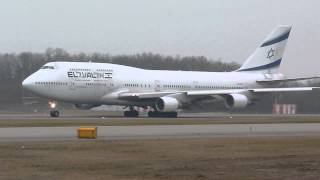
[112, 121]
[223, 158]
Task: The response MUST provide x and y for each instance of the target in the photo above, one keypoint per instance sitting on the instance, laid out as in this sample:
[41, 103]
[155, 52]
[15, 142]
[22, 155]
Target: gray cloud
[213, 28]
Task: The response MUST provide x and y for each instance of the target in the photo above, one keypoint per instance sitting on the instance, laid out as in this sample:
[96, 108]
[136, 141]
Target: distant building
[287, 109]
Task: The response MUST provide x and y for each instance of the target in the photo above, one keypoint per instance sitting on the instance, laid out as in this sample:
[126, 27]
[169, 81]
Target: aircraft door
[103, 87]
[98, 88]
[157, 85]
[72, 85]
[195, 84]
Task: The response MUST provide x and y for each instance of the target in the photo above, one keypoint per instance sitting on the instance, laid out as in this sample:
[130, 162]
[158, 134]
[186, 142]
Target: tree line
[18, 66]
[14, 67]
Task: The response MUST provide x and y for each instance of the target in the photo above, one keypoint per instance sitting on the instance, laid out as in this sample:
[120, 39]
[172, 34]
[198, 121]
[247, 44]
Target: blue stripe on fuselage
[276, 40]
[266, 66]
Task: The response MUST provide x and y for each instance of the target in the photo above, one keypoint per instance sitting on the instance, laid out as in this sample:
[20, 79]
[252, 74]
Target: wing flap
[269, 81]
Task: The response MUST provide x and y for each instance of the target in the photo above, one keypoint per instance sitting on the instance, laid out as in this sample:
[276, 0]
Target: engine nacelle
[167, 104]
[85, 106]
[237, 101]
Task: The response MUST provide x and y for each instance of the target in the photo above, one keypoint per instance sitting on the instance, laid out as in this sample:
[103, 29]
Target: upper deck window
[47, 67]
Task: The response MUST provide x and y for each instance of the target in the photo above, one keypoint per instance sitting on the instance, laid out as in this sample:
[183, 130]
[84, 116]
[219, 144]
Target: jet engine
[85, 106]
[237, 101]
[167, 104]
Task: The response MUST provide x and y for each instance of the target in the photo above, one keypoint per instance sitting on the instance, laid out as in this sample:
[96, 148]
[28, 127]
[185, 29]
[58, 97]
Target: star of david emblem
[271, 53]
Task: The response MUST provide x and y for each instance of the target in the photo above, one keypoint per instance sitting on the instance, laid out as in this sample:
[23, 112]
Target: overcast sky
[226, 29]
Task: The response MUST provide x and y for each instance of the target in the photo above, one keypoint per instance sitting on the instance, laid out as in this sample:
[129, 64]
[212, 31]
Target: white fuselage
[100, 83]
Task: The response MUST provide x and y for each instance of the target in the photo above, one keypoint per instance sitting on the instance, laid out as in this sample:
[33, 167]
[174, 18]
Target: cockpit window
[47, 67]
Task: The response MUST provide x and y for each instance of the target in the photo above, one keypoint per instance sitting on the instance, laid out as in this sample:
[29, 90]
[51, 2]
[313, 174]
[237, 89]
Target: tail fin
[267, 58]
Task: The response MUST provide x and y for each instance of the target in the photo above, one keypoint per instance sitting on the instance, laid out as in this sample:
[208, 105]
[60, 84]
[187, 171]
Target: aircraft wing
[293, 89]
[144, 95]
[269, 81]
[148, 95]
[258, 90]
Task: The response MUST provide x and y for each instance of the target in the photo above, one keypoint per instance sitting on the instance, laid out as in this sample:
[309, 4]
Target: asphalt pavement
[162, 131]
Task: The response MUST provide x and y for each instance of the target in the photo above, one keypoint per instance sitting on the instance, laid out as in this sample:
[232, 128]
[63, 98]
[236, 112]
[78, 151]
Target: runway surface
[162, 132]
[85, 115]
[96, 115]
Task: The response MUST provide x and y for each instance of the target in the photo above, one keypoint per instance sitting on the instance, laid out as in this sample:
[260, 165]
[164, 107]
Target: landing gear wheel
[131, 113]
[152, 113]
[172, 114]
[54, 113]
[162, 114]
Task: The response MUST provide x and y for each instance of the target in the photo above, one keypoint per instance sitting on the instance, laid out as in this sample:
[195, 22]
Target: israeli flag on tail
[267, 58]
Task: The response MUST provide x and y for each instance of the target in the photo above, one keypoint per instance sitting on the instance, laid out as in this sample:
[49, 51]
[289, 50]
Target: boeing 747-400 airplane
[89, 84]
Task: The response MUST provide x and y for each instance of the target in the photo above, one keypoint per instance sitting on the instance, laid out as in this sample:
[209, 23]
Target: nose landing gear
[53, 112]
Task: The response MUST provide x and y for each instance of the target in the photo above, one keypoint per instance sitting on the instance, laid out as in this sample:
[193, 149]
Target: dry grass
[222, 158]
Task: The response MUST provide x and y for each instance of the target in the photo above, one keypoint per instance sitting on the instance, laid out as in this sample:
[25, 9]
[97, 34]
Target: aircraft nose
[27, 83]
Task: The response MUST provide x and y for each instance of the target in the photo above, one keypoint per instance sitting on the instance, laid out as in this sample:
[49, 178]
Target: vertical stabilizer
[267, 58]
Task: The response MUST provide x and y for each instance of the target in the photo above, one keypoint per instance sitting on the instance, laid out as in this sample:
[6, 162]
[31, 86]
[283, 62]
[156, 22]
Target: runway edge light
[87, 132]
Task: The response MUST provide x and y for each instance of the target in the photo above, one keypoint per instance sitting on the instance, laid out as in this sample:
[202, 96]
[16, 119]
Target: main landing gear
[134, 113]
[131, 113]
[162, 114]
